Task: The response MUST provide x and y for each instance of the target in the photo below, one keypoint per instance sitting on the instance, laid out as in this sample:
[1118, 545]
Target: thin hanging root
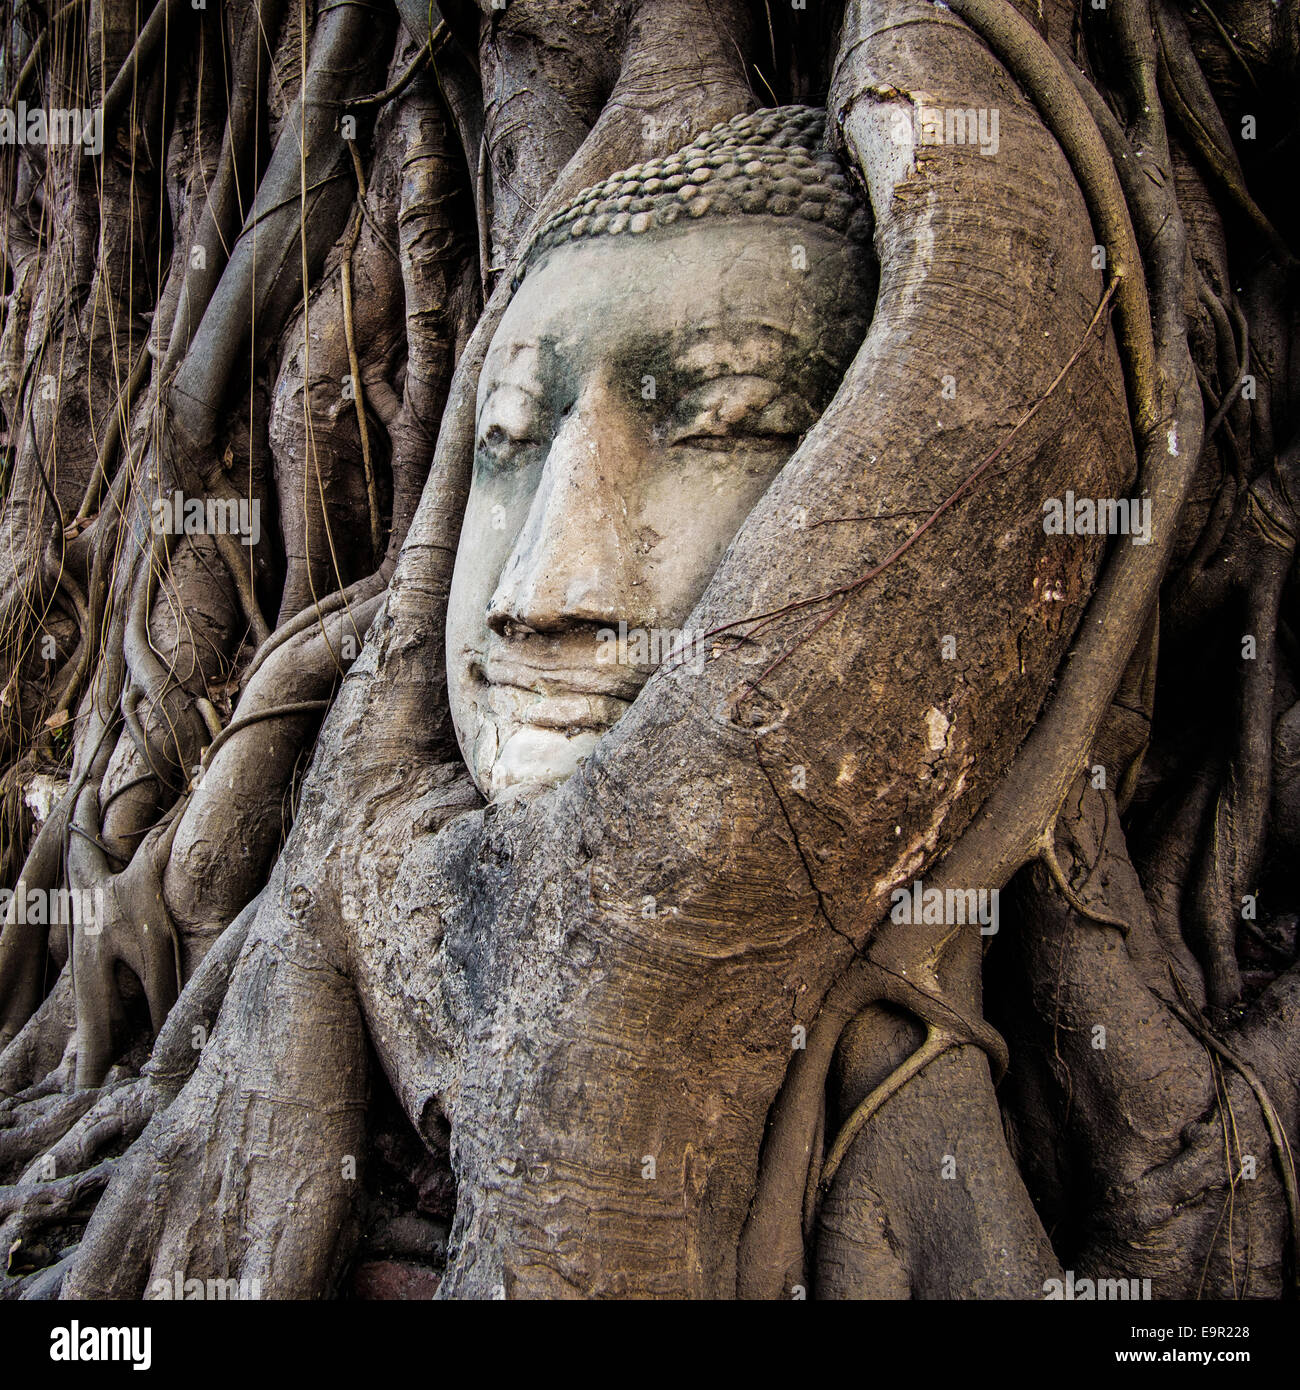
[846, 591]
[354, 362]
[359, 401]
[1046, 854]
[233, 554]
[1188, 94]
[81, 661]
[810, 1191]
[937, 1042]
[1272, 1121]
[358, 593]
[237, 725]
[118, 421]
[427, 50]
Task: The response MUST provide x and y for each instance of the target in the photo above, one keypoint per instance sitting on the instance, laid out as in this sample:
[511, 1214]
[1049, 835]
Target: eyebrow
[509, 368]
[505, 384]
[740, 344]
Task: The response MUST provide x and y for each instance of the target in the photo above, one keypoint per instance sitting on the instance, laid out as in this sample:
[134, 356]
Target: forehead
[753, 279]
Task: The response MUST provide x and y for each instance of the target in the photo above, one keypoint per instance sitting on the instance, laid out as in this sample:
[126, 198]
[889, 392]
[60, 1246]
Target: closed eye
[731, 440]
[739, 413]
[509, 428]
[498, 439]
[500, 452]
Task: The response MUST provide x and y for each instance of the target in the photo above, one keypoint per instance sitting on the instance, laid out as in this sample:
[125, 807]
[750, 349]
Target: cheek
[494, 516]
[694, 514]
[497, 513]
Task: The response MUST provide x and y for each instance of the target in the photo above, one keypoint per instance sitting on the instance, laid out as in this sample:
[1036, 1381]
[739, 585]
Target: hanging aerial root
[1272, 1120]
[354, 362]
[788, 1183]
[118, 421]
[1051, 861]
[1184, 88]
[937, 1042]
[945, 1027]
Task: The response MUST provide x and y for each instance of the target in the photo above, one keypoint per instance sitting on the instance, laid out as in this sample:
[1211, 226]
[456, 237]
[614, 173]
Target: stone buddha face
[645, 385]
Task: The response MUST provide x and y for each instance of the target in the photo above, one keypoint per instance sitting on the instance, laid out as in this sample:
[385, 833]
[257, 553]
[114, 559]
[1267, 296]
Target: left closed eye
[730, 440]
[736, 413]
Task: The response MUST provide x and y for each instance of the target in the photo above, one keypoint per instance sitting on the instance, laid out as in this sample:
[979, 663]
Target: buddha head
[674, 333]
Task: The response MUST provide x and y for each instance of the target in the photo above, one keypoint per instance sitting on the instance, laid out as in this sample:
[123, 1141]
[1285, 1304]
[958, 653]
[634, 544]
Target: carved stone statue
[679, 327]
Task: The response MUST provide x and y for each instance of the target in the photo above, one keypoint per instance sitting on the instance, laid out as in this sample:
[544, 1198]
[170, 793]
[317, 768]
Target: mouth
[565, 698]
[570, 712]
[540, 719]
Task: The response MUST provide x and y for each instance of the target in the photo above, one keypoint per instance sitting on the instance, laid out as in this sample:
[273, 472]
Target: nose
[572, 563]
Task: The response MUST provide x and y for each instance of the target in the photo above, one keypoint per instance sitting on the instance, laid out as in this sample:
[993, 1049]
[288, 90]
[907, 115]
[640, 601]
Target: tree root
[26, 1209]
[937, 1042]
[68, 1171]
[1166, 410]
[1048, 857]
[121, 1108]
[36, 1123]
[1273, 1121]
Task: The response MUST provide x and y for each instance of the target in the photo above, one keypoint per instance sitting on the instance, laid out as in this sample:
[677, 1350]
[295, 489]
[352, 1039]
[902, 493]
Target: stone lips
[774, 162]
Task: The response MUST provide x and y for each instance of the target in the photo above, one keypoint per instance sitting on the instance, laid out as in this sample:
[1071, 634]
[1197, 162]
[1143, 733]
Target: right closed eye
[498, 448]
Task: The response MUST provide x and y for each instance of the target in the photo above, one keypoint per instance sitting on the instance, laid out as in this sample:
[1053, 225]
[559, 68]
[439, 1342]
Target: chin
[532, 759]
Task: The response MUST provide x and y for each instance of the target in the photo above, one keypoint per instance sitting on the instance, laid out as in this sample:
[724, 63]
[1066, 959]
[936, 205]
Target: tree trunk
[670, 1028]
